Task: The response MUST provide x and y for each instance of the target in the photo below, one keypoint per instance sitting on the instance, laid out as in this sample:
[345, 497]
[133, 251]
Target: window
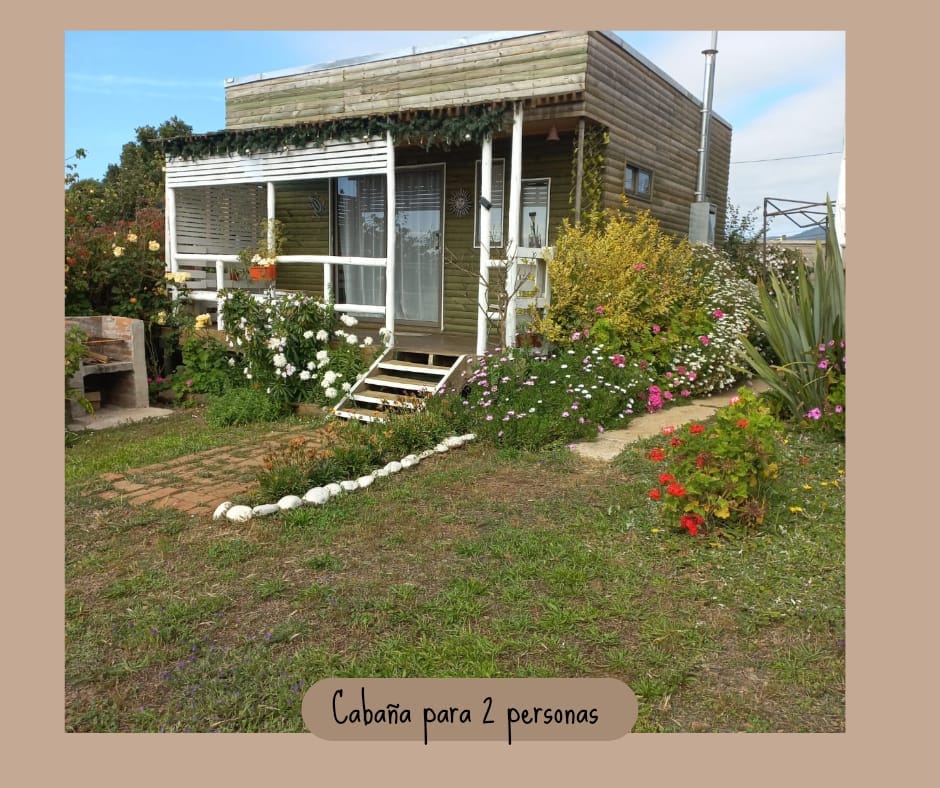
[637, 182]
[496, 209]
[533, 223]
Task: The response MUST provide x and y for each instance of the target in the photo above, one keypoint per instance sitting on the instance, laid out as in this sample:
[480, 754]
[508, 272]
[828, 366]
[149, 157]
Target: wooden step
[384, 397]
[362, 414]
[404, 383]
[413, 366]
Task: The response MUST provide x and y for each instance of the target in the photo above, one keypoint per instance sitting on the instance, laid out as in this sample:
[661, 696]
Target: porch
[345, 247]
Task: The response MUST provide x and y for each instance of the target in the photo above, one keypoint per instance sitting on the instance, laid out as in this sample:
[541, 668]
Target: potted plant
[261, 261]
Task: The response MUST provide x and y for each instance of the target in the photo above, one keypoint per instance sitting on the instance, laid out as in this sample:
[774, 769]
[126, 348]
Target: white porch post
[390, 299]
[515, 210]
[272, 213]
[169, 246]
[486, 194]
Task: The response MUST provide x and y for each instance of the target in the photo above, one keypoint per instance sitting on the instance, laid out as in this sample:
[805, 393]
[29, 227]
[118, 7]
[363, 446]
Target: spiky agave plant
[795, 322]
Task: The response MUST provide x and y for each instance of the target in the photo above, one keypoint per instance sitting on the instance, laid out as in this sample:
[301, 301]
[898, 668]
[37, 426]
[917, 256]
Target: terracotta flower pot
[263, 272]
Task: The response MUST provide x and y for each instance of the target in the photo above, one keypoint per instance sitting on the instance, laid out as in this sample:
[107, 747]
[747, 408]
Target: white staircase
[399, 378]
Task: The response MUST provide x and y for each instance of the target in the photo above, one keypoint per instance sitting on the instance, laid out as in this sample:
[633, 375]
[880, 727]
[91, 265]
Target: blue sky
[782, 91]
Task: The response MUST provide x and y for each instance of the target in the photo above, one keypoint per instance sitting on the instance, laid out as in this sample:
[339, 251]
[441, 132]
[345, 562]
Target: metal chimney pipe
[706, 115]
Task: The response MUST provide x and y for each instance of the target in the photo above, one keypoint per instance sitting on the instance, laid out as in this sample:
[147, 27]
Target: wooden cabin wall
[655, 126]
[305, 232]
[516, 68]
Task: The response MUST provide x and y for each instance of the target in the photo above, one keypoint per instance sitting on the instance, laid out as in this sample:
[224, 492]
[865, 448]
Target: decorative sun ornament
[459, 201]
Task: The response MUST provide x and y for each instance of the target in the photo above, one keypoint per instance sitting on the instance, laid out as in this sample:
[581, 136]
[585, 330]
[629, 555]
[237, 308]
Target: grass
[480, 563]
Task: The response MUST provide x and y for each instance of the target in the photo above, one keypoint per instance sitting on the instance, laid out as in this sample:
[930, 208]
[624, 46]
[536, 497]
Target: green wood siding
[305, 233]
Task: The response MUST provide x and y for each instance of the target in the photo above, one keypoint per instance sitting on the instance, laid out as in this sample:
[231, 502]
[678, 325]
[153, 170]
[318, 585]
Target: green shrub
[799, 324]
[621, 266]
[242, 406]
[75, 346]
[208, 366]
[716, 475]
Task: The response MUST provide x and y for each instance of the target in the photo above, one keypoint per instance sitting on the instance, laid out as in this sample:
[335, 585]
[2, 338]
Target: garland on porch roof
[425, 128]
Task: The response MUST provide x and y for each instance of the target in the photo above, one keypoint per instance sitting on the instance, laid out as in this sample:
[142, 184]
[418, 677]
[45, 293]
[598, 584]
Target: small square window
[637, 182]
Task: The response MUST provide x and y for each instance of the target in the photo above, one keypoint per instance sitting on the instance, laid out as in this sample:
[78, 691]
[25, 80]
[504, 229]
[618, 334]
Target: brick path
[198, 483]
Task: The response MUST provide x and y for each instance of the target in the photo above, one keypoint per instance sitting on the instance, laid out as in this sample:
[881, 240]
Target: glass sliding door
[419, 249]
[360, 232]
[419, 243]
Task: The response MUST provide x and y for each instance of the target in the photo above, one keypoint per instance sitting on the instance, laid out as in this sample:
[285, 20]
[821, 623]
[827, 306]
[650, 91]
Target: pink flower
[823, 364]
[565, 414]
[600, 428]
[668, 376]
[619, 360]
[599, 309]
[718, 314]
[669, 429]
[704, 339]
[667, 394]
[576, 336]
[734, 400]
[838, 409]
[639, 267]
[685, 393]
[656, 329]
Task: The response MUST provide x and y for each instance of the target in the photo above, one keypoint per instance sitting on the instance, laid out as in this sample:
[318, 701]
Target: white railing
[208, 277]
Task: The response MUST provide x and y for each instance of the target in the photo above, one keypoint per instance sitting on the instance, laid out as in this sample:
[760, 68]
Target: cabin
[422, 191]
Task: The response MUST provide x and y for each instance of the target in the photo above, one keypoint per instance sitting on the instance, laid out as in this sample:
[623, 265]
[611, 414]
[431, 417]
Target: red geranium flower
[675, 442]
[665, 478]
[656, 455]
[700, 460]
[691, 523]
[697, 429]
[676, 489]
[655, 494]
[742, 423]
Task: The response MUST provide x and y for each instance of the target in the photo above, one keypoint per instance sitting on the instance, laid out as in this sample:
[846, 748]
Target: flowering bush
[830, 361]
[624, 264]
[295, 347]
[531, 400]
[208, 365]
[117, 269]
[718, 473]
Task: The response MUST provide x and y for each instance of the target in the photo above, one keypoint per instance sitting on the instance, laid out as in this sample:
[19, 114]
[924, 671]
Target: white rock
[394, 466]
[265, 509]
[290, 502]
[381, 472]
[441, 448]
[425, 454]
[333, 488]
[239, 514]
[316, 496]
[454, 441]
[365, 481]
[349, 485]
[409, 462]
[470, 436]
[221, 509]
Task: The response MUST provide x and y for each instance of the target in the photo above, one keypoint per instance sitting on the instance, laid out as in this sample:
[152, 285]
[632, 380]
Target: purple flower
[823, 364]
[838, 409]
[814, 414]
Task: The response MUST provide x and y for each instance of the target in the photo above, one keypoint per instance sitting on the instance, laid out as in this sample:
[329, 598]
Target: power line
[784, 158]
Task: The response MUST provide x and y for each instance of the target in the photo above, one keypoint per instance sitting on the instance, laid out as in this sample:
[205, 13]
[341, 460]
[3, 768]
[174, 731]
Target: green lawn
[478, 563]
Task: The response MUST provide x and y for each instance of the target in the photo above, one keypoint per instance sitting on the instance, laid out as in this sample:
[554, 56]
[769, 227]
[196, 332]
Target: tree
[138, 180]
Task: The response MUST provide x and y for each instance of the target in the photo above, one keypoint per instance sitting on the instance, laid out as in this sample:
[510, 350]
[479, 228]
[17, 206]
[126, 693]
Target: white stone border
[317, 496]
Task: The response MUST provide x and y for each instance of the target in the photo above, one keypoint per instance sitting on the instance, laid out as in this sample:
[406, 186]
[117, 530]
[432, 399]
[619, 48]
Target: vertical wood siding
[655, 126]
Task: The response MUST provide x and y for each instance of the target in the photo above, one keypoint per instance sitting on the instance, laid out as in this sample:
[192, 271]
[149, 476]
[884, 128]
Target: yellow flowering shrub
[620, 266]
